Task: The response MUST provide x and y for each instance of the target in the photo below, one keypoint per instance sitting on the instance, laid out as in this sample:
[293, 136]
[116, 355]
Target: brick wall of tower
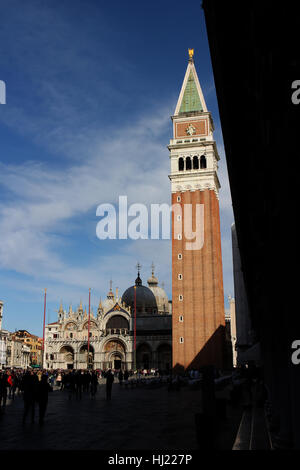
[202, 306]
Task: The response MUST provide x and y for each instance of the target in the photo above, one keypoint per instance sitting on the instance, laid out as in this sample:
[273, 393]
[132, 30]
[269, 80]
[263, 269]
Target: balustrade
[116, 331]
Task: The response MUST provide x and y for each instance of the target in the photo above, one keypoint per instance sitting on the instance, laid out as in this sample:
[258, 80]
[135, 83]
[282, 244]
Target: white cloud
[43, 199]
[45, 202]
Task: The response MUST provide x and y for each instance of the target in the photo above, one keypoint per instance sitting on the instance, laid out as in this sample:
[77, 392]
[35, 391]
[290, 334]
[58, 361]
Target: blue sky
[91, 86]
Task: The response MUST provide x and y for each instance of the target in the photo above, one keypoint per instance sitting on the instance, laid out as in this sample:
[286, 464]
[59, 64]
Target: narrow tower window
[195, 163]
[181, 318]
[202, 162]
[180, 277]
[181, 340]
[180, 164]
[188, 163]
[179, 256]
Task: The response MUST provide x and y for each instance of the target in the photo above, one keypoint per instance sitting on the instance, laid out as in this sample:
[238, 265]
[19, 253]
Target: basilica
[118, 338]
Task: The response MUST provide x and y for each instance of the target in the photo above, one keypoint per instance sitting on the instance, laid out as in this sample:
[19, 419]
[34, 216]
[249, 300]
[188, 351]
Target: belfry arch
[203, 163]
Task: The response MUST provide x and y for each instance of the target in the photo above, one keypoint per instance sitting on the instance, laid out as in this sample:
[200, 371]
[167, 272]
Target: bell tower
[198, 316]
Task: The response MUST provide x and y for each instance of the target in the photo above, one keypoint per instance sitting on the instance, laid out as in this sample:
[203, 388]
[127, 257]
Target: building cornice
[188, 145]
[195, 176]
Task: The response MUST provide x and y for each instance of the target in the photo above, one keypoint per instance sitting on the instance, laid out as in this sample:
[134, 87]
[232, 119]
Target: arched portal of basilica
[114, 355]
[86, 356]
[66, 354]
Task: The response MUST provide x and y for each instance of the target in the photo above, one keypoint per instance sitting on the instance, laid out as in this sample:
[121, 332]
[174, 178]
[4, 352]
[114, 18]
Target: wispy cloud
[91, 141]
[45, 200]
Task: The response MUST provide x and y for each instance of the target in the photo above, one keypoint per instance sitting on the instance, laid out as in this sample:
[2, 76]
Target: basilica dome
[145, 299]
[109, 302]
[160, 295]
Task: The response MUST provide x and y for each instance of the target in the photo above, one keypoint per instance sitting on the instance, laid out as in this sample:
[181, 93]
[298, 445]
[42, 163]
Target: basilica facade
[118, 338]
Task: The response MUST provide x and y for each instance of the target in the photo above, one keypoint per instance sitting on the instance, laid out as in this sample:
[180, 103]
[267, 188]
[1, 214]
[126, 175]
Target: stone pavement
[135, 418]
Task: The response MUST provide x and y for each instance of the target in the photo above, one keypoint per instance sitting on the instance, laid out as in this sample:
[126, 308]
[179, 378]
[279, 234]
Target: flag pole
[44, 328]
[134, 345]
[88, 353]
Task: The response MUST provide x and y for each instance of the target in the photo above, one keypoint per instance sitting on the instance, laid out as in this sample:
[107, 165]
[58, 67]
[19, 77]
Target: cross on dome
[138, 281]
[152, 267]
[138, 267]
[110, 295]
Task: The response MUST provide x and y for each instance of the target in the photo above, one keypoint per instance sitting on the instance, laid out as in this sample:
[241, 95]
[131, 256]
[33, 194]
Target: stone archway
[117, 324]
[164, 356]
[114, 355]
[85, 358]
[67, 357]
[144, 356]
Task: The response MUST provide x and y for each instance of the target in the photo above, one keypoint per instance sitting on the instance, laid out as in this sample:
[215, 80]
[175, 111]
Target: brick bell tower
[198, 315]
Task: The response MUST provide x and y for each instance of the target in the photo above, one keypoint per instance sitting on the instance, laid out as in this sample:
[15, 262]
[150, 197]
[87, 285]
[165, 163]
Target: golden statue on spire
[191, 54]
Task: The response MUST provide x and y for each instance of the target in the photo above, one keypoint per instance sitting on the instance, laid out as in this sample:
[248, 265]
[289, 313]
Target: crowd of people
[34, 385]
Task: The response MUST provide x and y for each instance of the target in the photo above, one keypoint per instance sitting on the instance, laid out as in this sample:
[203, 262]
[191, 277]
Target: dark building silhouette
[255, 56]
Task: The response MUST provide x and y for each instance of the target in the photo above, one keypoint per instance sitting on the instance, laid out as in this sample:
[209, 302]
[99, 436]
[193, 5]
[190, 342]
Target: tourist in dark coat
[78, 384]
[121, 377]
[109, 382]
[43, 388]
[94, 383]
[3, 389]
[29, 387]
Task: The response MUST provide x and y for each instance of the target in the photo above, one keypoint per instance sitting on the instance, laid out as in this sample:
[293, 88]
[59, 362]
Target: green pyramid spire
[191, 99]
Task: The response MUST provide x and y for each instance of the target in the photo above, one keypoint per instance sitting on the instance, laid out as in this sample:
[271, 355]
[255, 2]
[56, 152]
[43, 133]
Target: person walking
[109, 382]
[64, 380]
[29, 387]
[58, 380]
[69, 384]
[126, 376]
[81, 384]
[94, 383]
[43, 387]
[78, 385]
[3, 389]
[10, 382]
[15, 385]
[121, 377]
[87, 381]
[52, 379]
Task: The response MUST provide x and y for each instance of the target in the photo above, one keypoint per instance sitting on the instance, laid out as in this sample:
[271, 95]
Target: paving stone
[135, 418]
